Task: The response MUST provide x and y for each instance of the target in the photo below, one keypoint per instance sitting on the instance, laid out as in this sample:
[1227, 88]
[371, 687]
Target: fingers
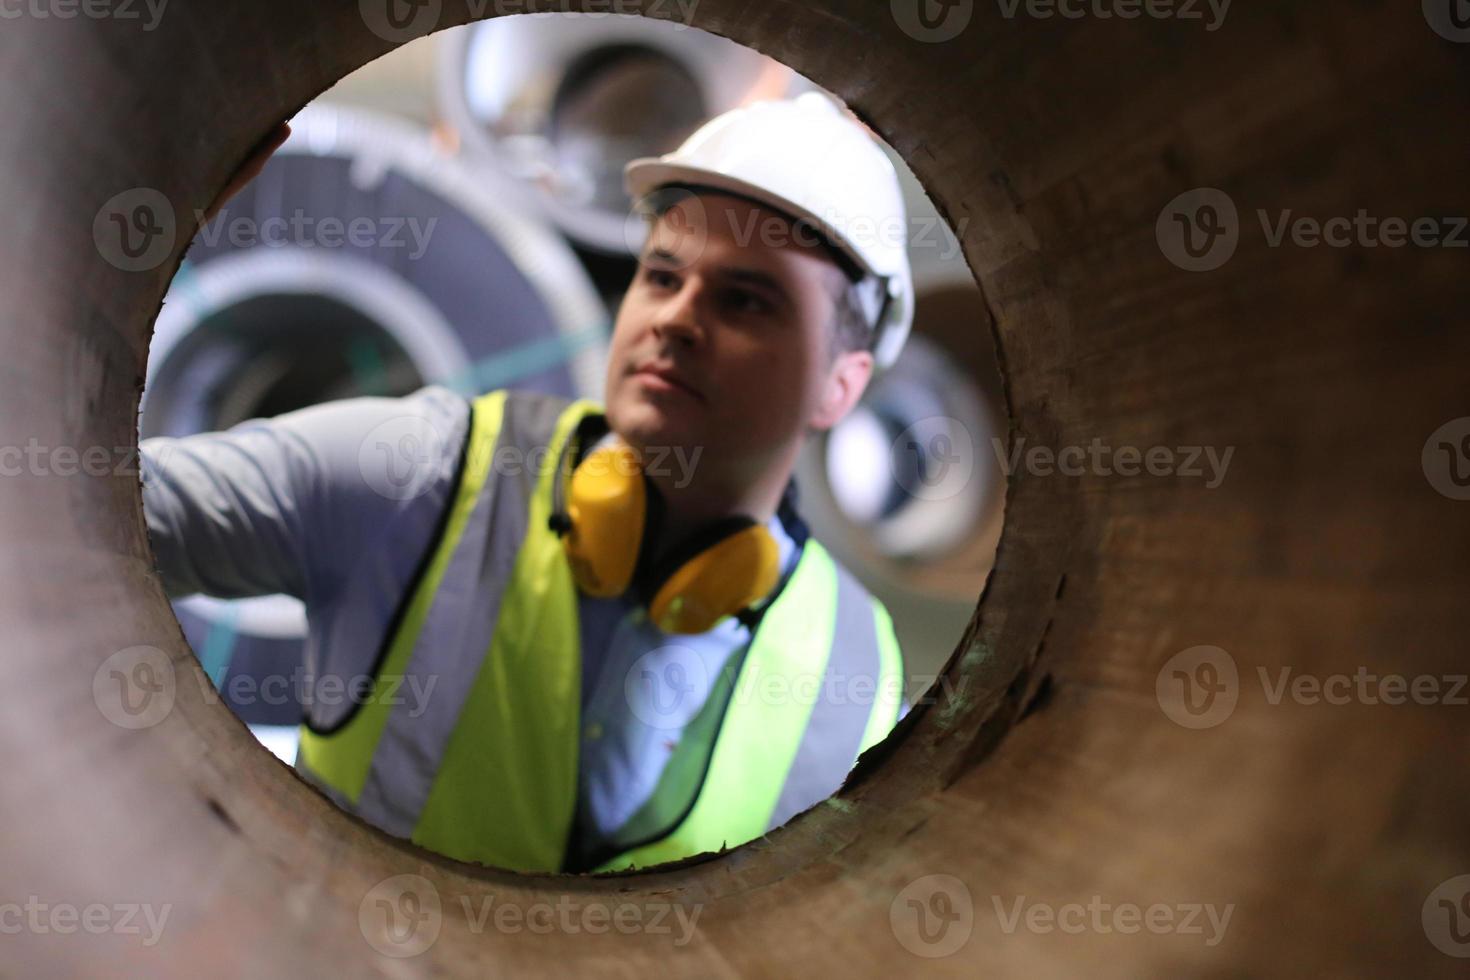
[251, 168]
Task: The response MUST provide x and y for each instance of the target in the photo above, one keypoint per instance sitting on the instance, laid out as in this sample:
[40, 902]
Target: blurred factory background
[510, 136]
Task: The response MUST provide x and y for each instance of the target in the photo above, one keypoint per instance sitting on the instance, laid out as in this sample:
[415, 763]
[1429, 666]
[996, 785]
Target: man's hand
[250, 169]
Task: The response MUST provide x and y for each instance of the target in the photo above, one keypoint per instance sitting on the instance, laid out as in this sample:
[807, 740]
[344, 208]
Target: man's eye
[746, 301]
[659, 277]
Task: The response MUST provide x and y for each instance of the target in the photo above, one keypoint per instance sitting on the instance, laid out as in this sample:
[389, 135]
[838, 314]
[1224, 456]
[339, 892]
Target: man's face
[737, 313]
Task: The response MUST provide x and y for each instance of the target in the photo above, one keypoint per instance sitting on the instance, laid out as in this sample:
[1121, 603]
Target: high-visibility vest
[488, 772]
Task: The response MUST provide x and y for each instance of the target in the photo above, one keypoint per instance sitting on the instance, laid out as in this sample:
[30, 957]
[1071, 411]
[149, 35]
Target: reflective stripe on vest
[486, 769]
[395, 782]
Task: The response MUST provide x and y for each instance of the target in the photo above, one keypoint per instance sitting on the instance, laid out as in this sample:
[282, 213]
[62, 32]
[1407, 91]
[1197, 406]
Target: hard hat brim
[646, 174]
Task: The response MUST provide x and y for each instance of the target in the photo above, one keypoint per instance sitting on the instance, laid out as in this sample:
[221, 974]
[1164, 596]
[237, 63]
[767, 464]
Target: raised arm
[290, 504]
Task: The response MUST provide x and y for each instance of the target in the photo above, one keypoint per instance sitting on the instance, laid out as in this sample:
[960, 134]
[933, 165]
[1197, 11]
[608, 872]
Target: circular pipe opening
[1060, 141]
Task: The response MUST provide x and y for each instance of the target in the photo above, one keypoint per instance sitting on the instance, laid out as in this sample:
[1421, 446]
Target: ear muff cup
[715, 573]
[608, 507]
[613, 511]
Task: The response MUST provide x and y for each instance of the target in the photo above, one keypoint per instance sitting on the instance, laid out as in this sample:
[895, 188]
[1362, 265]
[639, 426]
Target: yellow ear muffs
[716, 572]
[607, 505]
[719, 581]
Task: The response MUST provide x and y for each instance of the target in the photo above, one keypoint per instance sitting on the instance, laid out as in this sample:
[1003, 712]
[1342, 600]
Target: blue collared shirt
[641, 688]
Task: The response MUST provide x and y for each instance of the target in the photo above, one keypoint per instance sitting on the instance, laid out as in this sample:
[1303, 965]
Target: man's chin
[646, 425]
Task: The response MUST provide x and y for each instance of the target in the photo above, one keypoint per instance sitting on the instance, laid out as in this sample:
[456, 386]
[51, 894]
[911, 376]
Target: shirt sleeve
[289, 504]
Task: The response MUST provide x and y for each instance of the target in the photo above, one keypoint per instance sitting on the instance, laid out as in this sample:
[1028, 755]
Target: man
[619, 660]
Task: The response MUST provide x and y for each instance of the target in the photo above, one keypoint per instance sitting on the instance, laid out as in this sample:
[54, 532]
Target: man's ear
[846, 380]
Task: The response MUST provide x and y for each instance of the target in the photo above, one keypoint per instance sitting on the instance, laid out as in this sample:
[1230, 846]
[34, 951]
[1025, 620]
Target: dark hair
[851, 330]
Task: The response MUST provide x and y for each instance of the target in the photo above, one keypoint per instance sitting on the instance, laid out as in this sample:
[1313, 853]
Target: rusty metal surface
[1050, 780]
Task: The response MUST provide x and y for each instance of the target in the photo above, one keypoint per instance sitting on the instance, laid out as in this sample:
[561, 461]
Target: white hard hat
[808, 158]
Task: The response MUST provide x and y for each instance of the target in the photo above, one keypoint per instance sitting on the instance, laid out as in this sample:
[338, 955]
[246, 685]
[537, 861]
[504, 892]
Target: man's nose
[680, 319]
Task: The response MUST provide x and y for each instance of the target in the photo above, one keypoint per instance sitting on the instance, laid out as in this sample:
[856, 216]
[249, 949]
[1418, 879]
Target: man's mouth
[657, 377]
